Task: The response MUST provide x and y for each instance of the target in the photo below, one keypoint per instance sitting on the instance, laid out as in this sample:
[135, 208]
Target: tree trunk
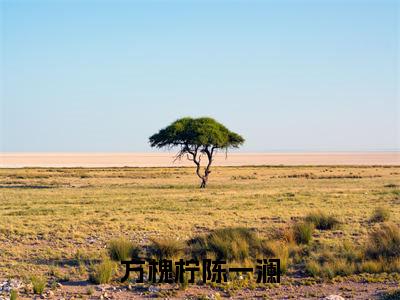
[203, 182]
[196, 160]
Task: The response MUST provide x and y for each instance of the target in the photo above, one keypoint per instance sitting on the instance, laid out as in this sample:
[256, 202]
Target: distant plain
[166, 159]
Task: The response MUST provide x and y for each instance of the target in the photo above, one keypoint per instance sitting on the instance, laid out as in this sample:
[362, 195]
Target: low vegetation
[103, 272]
[122, 249]
[322, 221]
[166, 248]
[380, 214]
[380, 253]
[233, 244]
[75, 220]
[38, 284]
[384, 243]
[302, 232]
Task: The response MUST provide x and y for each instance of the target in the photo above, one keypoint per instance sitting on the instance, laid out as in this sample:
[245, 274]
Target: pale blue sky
[287, 75]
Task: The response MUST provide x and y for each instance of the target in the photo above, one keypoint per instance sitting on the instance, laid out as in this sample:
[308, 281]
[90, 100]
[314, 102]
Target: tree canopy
[202, 132]
[197, 137]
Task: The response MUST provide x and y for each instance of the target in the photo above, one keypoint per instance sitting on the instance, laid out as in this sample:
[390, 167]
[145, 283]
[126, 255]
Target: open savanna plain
[56, 225]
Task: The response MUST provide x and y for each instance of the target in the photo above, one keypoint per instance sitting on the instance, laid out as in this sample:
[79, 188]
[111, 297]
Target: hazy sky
[287, 75]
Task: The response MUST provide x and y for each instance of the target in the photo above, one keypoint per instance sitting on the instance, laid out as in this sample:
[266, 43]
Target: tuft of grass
[282, 252]
[122, 249]
[166, 248]
[384, 242]
[313, 268]
[350, 252]
[276, 249]
[103, 272]
[234, 244]
[330, 266]
[13, 295]
[268, 248]
[302, 232]
[322, 221]
[370, 266]
[380, 214]
[38, 284]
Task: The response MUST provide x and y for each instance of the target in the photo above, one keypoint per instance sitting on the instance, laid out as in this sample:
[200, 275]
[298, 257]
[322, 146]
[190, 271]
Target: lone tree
[197, 138]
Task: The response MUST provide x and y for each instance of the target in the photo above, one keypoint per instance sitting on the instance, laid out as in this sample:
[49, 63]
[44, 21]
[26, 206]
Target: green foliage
[166, 248]
[384, 242]
[380, 214]
[103, 272]
[38, 284]
[322, 221]
[121, 249]
[200, 132]
[302, 232]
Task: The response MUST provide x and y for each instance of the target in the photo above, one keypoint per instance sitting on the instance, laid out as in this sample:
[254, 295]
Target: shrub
[380, 214]
[166, 248]
[121, 249]
[302, 232]
[103, 272]
[38, 284]
[384, 242]
[322, 221]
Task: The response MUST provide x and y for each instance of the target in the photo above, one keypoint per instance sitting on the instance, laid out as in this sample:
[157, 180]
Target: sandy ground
[16, 160]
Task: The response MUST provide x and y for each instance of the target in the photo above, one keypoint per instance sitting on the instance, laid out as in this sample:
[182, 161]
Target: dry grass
[302, 232]
[102, 272]
[122, 249]
[166, 248]
[380, 214]
[384, 242]
[38, 284]
[322, 220]
[59, 219]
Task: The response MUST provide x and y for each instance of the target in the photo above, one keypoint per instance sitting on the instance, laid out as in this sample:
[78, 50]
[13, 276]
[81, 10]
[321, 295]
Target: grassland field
[51, 218]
